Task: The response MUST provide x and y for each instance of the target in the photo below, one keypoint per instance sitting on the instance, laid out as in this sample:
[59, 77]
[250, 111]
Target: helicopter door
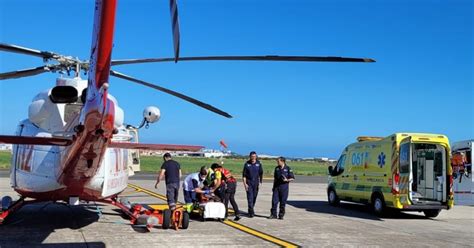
[15, 162]
[133, 155]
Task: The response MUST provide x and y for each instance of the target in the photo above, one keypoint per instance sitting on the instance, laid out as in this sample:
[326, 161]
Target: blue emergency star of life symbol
[381, 162]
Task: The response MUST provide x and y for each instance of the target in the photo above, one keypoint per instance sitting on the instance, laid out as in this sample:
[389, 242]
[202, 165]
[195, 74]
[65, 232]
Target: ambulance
[404, 171]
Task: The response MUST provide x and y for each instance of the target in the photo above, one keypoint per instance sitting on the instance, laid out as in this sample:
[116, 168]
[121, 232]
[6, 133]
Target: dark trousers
[189, 196]
[220, 192]
[172, 190]
[280, 195]
[252, 193]
[230, 196]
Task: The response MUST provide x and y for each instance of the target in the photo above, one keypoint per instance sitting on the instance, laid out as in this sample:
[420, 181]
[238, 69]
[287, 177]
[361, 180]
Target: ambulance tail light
[396, 184]
[451, 183]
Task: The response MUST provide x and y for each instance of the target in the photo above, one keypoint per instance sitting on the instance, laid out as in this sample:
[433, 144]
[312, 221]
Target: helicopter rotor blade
[25, 72]
[245, 58]
[171, 92]
[175, 28]
[28, 51]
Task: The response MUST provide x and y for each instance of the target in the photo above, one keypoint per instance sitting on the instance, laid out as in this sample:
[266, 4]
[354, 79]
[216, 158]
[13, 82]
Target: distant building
[173, 153]
[267, 156]
[6, 147]
[321, 159]
[205, 153]
[209, 153]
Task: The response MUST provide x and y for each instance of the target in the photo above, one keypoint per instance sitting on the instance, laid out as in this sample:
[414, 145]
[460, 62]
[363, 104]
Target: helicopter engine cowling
[119, 114]
[41, 110]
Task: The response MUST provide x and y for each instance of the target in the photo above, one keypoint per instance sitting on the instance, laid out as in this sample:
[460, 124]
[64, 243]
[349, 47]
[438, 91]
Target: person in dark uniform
[171, 171]
[283, 175]
[252, 177]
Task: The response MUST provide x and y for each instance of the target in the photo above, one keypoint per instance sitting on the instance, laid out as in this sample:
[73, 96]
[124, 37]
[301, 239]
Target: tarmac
[309, 222]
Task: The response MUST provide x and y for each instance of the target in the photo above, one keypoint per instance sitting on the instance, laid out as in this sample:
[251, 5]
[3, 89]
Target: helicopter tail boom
[98, 114]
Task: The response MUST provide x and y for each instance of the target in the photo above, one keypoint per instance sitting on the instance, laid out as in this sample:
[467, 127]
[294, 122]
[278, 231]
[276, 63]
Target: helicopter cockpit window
[134, 153]
[135, 157]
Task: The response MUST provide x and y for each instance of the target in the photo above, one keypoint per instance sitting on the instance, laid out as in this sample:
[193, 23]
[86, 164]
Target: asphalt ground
[309, 222]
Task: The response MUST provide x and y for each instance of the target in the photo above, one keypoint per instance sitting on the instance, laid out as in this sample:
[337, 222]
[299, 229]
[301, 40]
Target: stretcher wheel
[185, 223]
[166, 219]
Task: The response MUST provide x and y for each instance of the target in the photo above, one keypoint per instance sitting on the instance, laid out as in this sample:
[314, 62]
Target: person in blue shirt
[252, 176]
[283, 175]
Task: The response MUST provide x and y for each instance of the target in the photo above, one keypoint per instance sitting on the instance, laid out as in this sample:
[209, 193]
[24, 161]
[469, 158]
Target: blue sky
[422, 81]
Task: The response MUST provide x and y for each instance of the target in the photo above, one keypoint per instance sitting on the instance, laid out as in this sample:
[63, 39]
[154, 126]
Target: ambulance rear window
[405, 158]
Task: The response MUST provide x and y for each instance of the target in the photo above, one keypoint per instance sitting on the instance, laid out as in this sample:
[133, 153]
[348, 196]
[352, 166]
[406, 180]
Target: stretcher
[209, 207]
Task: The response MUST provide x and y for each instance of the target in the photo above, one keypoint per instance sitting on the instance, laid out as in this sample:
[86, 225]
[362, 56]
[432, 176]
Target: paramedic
[192, 184]
[252, 178]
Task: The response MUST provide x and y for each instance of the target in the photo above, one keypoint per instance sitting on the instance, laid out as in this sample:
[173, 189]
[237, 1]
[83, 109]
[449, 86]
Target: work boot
[272, 217]
[280, 217]
[237, 218]
[251, 213]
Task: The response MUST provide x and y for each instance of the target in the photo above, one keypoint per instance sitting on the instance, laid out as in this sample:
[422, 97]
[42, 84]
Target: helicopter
[75, 145]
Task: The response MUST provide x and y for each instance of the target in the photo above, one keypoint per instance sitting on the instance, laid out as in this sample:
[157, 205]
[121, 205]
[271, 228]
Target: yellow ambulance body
[405, 171]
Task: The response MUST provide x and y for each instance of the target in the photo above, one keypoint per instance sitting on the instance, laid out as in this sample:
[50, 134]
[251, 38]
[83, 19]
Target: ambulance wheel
[185, 220]
[166, 219]
[333, 199]
[432, 213]
[378, 204]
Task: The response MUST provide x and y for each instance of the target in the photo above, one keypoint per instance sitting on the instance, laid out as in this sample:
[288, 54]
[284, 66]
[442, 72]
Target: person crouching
[193, 184]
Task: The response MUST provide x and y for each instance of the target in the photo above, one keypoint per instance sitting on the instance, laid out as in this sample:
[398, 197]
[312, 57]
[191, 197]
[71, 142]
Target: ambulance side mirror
[330, 170]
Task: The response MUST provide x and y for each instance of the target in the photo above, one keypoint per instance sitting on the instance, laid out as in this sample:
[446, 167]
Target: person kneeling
[193, 184]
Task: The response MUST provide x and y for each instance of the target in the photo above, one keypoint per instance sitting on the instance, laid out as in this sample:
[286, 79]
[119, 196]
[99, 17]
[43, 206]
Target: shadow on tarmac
[350, 210]
[73, 245]
[32, 224]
